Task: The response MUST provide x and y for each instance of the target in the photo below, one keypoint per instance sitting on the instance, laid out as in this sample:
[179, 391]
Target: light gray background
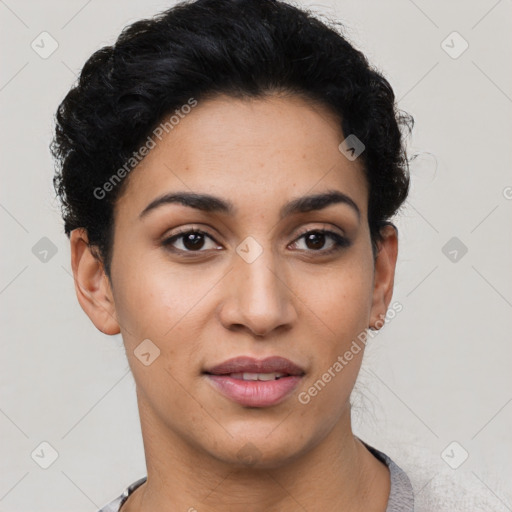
[439, 372]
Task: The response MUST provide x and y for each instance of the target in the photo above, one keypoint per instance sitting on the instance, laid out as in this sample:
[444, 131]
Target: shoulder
[401, 495]
[439, 487]
[115, 504]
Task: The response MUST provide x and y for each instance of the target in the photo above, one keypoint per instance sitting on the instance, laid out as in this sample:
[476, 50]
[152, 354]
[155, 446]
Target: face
[260, 276]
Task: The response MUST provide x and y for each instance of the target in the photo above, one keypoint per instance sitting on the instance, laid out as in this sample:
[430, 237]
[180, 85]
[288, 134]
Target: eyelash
[340, 242]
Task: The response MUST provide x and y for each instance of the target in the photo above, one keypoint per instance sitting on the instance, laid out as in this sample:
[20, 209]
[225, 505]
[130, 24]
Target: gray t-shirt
[401, 497]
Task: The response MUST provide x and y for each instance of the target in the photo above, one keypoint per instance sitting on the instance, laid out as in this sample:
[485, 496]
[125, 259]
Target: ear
[384, 275]
[91, 284]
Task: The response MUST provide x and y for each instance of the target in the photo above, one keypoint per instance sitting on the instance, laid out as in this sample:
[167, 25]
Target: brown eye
[192, 240]
[316, 239]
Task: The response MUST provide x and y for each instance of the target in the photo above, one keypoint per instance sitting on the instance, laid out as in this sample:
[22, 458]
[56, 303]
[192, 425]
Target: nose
[258, 297]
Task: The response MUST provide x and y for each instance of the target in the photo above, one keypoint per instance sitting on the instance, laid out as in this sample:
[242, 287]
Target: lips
[255, 383]
[245, 364]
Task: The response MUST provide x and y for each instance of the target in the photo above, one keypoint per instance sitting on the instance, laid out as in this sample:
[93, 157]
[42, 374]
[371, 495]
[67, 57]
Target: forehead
[257, 152]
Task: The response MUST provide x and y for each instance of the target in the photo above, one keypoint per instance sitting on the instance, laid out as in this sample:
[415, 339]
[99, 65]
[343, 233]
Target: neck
[338, 474]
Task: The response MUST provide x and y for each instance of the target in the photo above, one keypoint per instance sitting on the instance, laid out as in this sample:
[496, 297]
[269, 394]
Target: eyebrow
[209, 203]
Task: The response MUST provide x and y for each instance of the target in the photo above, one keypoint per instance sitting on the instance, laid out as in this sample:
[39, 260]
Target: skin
[292, 301]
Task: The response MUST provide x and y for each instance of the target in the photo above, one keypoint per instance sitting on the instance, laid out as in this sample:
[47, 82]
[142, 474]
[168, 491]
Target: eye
[194, 240]
[315, 239]
[191, 240]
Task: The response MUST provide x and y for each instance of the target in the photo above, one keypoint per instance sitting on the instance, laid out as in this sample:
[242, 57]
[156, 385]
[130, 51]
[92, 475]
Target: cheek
[344, 308]
[340, 298]
[153, 302]
[339, 304]
[152, 298]
[168, 307]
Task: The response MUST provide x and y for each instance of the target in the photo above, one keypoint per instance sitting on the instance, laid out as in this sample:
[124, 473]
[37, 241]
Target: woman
[228, 172]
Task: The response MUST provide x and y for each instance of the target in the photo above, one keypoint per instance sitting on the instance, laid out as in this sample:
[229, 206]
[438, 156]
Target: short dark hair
[199, 49]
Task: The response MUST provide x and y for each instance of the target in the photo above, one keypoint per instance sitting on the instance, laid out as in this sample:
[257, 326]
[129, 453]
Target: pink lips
[227, 378]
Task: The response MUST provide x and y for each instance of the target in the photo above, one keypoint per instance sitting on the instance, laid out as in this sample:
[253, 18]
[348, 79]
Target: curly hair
[198, 49]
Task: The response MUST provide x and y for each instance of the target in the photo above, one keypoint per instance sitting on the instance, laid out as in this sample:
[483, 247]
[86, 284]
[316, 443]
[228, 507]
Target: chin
[260, 451]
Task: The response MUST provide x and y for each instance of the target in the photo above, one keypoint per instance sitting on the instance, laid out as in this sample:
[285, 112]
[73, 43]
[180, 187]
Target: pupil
[317, 239]
[193, 241]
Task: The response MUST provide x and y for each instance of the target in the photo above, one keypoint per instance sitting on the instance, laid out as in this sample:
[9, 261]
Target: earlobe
[91, 284]
[385, 263]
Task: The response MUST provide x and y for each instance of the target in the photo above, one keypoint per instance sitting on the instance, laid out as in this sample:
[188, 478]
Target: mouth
[255, 383]
[257, 376]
